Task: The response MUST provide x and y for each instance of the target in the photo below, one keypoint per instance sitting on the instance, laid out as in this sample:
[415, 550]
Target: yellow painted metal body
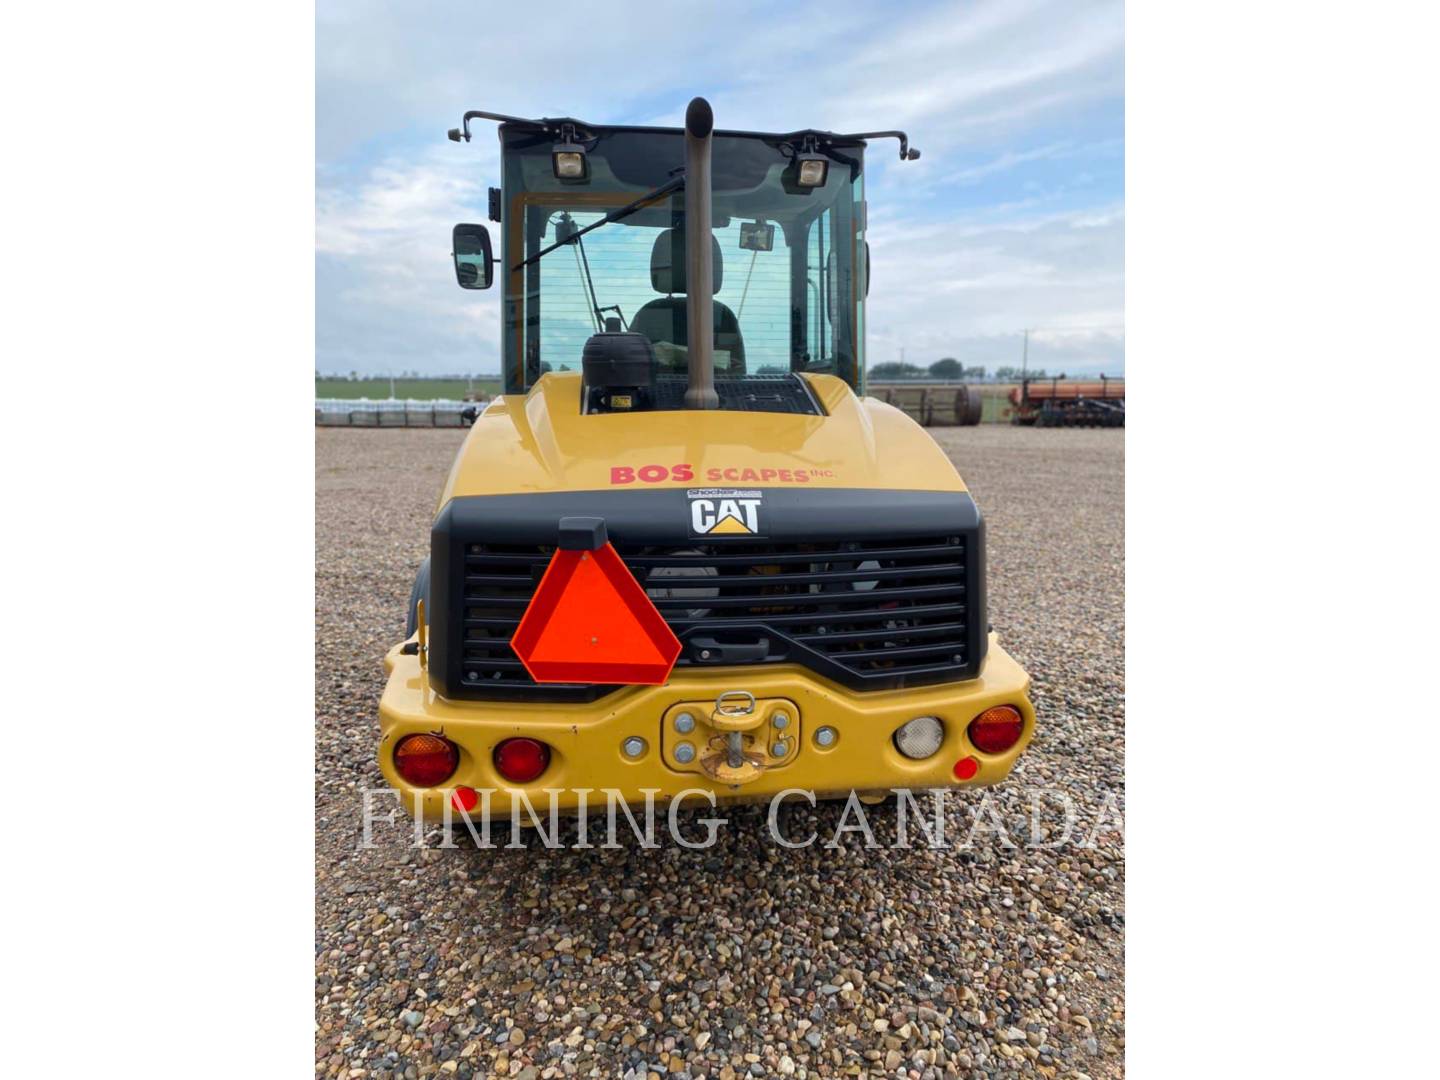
[541, 443]
[586, 739]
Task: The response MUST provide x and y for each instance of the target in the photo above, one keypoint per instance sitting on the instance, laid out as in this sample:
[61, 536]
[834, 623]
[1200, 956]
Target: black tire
[420, 589]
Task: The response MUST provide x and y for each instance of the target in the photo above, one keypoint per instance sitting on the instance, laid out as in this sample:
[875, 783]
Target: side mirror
[474, 265]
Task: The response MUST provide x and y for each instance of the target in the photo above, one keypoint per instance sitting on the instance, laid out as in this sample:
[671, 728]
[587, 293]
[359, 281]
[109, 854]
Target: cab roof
[558, 125]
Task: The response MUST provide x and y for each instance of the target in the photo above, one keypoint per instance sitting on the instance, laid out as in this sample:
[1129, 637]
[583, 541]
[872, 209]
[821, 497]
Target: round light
[919, 738]
[684, 723]
[996, 730]
[521, 760]
[826, 736]
[966, 768]
[425, 760]
[633, 747]
[684, 753]
[464, 798]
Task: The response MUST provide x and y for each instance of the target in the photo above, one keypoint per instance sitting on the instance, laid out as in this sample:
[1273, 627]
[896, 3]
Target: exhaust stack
[699, 295]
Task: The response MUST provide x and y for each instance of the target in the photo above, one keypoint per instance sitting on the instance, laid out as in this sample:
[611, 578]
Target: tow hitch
[732, 739]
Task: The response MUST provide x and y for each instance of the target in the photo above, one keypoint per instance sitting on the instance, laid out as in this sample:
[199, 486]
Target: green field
[422, 389]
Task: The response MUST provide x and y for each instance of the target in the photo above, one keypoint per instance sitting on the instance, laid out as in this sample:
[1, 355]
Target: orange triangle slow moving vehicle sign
[591, 622]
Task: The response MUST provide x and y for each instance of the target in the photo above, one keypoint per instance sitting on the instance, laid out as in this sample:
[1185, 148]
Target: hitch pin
[736, 758]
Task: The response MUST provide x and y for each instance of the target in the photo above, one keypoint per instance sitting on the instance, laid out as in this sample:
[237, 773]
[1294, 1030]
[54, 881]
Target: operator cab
[592, 259]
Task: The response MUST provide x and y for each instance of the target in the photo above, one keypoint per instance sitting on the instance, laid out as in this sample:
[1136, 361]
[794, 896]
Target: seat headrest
[667, 262]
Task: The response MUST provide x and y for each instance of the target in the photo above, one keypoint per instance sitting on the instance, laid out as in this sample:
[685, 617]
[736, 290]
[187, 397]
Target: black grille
[778, 393]
[873, 613]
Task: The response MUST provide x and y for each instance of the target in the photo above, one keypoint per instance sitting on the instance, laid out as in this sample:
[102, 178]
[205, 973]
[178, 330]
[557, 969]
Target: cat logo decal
[724, 512]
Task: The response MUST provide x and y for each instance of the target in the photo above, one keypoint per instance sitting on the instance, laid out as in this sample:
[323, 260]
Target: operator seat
[664, 319]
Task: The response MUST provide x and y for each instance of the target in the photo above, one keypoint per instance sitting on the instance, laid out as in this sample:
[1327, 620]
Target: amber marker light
[997, 729]
[425, 760]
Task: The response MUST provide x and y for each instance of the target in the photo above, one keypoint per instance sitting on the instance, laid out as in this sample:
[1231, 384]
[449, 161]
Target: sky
[1012, 219]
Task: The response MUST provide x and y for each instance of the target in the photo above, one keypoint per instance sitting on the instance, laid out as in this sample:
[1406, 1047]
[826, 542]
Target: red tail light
[426, 760]
[521, 760]
[996, 730]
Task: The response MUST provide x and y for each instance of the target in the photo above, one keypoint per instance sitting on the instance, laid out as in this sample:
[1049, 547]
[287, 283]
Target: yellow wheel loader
[683, 551]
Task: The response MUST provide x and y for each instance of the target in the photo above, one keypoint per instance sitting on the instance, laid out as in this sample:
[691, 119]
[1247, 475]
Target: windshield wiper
[565, 231]
[669, 187]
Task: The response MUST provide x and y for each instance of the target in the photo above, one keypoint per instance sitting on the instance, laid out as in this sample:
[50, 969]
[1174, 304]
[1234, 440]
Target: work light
[569, 161]
[811, 169]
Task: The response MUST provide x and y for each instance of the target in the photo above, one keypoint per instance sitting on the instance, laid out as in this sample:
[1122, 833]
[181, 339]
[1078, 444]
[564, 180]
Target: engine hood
[542, 443]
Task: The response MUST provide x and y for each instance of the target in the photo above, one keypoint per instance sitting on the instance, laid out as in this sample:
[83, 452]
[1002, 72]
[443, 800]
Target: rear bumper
[585, 739]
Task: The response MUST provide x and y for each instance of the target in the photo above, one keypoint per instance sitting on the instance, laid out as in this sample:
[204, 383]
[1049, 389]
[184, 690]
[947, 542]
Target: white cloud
[385, 286]
[968, 287]
[991, 92]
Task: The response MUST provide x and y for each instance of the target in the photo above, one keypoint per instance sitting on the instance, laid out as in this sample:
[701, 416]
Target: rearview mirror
[757, 236]
[470, 248]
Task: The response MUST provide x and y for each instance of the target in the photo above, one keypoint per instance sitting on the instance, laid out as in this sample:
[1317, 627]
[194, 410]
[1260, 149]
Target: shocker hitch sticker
[725, 512]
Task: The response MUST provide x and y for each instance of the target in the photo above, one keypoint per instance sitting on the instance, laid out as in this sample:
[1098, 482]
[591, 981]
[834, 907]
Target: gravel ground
[1002, 955]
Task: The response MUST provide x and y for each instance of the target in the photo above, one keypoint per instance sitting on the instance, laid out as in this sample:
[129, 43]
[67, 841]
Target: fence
[929, 402]
[411, 412]
[940, 403]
